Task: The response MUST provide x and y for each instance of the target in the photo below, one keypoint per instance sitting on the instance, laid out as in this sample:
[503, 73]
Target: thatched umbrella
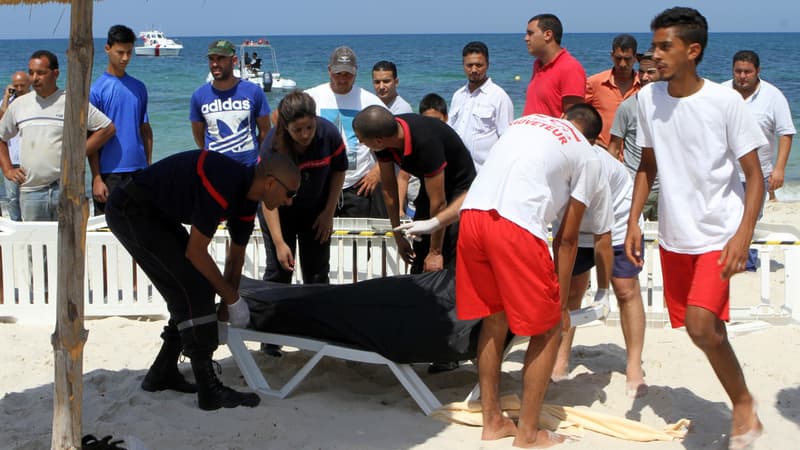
[70, 336]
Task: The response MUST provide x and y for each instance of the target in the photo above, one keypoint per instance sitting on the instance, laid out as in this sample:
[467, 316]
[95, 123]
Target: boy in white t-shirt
[541, 169]
[694, 131]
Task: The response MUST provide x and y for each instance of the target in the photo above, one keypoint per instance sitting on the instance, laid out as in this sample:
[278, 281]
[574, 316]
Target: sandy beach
[345, 405]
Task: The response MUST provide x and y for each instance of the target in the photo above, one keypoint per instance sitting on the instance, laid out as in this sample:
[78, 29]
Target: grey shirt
[624, 127]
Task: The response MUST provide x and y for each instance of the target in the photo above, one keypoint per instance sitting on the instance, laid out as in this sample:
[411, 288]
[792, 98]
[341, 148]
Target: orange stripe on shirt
[326, 161]
[207, 183]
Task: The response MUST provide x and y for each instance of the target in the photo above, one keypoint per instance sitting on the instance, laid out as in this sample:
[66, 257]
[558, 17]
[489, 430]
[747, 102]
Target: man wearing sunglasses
[148, 213]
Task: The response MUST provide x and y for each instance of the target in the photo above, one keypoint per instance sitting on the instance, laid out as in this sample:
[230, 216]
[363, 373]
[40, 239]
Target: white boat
[252, 68]
[154, 43]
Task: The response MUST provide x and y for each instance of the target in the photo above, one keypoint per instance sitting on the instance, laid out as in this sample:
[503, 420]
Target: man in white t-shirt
[772, 113]
[540, 170]
[769, 106]
[601, 242]
[38, 118]
[20, 85]
[480, 110]
[339, 101]
[694, 131]
[385, 81]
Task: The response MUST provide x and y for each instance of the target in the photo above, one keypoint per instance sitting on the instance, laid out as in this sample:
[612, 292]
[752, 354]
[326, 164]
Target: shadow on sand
[787, 402]
[338, 398]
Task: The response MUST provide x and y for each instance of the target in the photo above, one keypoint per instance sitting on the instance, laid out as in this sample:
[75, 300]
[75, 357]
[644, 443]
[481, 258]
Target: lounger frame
[235, 338]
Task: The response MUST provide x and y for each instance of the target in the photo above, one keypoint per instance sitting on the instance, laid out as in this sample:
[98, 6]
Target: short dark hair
[276, 164]
[549, 22]
[387, 66]
[476, 47]
[51, 57]
[587, 117]
[433, 101]
[624, 42]
[689, 25]
[646, 56]
[375, 122]
[120, 34]
[747, 56]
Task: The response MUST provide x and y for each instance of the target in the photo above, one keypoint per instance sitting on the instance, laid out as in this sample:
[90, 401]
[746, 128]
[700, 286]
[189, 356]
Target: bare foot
[503, 428]
[745, 440]
[744, 435]
[544, 439]
[635, 388]
[560, 372]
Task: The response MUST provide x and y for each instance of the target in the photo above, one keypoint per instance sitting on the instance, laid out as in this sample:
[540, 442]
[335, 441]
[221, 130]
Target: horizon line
[401, 34]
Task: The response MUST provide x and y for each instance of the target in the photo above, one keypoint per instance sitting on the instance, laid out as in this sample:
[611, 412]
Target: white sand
[356, 406]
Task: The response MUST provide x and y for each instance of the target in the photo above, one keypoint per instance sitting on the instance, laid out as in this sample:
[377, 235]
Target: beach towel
[567, 420]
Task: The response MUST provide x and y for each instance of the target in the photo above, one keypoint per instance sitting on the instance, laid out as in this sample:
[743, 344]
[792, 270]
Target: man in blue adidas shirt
[124, 100]
[228, 115]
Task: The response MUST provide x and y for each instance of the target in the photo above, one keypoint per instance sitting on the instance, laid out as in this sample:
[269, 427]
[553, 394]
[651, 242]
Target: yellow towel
[567, 420]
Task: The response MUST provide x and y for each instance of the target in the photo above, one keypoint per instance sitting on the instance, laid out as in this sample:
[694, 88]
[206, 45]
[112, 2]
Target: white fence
[361, 249]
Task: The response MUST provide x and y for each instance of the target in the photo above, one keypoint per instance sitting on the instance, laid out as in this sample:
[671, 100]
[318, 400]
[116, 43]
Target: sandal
[90, 442]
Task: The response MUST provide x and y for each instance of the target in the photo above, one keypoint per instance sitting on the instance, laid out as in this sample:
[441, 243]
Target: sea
[426, 63]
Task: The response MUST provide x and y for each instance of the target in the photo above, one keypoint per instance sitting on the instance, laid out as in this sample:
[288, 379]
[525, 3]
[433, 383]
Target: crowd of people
[592, 156]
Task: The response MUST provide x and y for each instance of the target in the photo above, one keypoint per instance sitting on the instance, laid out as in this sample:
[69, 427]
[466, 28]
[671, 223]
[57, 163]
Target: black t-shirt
[202, 189]
[430, 147]
[325, 154]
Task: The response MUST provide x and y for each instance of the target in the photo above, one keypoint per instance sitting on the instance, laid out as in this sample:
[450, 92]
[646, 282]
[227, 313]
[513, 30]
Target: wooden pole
[73, 212]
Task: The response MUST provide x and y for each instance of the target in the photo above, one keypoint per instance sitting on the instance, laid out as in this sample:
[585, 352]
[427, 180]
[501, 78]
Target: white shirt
[480, 117]
[697, 142]
[533, 170]
[400, 106]
[621, 185]
[599, 216]
[341, 109]
[40, 124]
[772, 113]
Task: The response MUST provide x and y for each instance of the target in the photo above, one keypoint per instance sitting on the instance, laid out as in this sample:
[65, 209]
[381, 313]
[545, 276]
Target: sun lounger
[236, 337]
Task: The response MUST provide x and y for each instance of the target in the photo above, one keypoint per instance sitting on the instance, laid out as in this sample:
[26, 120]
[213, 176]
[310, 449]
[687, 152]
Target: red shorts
[501, 266]
[694, 280]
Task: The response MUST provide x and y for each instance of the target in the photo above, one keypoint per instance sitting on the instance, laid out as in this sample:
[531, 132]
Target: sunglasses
[289, 192]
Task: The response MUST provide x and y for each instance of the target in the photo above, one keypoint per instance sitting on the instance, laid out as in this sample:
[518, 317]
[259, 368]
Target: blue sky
[313, 17]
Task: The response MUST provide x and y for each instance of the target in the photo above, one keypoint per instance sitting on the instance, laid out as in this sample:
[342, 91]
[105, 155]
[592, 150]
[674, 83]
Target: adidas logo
[227, 105]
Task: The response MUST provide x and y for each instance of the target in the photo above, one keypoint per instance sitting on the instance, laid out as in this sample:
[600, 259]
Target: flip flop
[90, 442]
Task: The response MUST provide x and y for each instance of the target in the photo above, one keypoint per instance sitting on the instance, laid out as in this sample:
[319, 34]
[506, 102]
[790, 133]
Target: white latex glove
[601, 297]
[413, 230]
[239, 313]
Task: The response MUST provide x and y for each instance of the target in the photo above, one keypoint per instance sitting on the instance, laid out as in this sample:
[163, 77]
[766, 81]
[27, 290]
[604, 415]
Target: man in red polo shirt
[558, 79]
[607, 89]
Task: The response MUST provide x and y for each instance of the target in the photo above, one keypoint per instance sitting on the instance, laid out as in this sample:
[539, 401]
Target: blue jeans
[12, 195]
[40, 205]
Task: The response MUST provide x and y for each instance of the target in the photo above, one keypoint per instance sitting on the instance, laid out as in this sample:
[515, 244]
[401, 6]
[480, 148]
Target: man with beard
[228, 116]
[480, 110]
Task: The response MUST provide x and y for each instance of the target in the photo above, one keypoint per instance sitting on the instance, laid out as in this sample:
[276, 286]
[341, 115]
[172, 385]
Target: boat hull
[157, 51]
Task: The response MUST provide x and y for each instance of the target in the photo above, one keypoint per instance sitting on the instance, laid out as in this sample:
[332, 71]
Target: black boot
[164, 373]
[211, 393]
